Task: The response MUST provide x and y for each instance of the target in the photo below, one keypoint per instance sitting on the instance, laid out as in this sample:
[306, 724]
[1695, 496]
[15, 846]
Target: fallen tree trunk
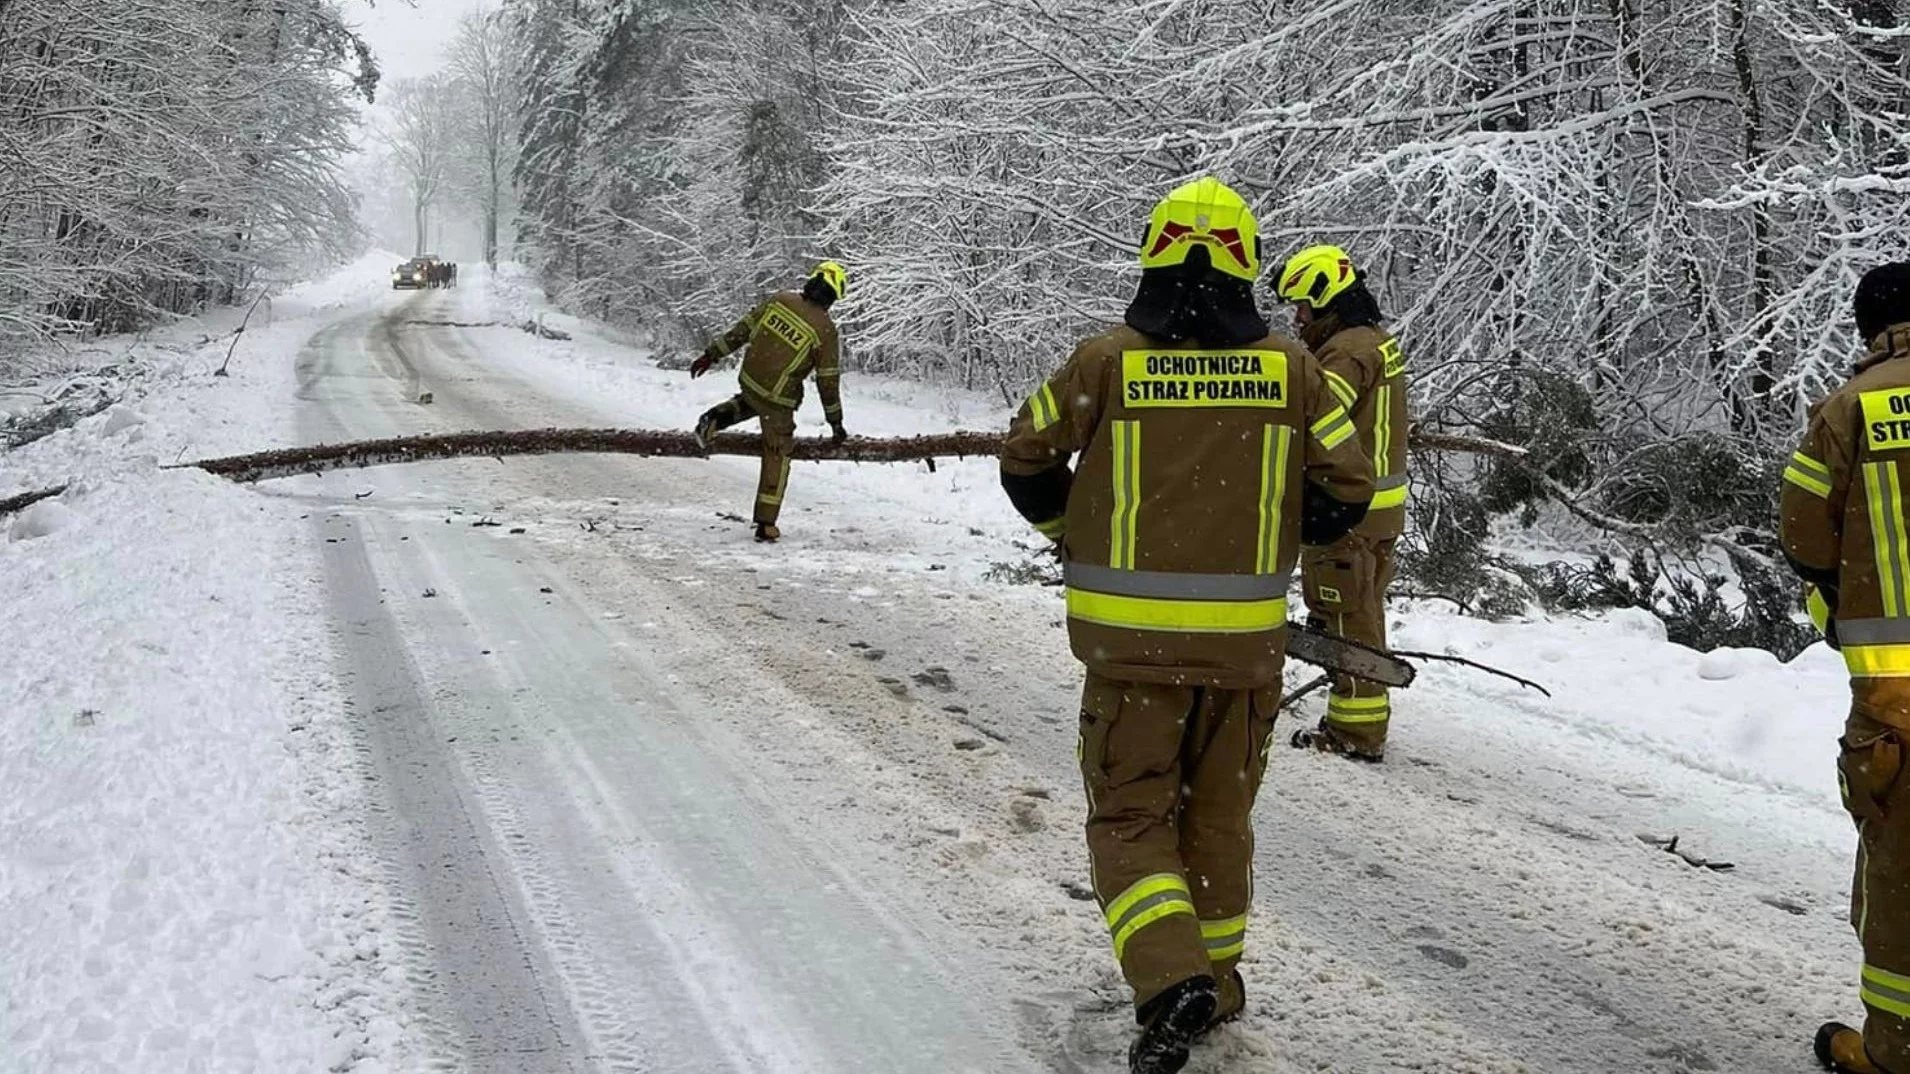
[291, 462]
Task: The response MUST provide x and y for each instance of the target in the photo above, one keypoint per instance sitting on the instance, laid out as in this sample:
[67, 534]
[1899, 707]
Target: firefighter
[789, 336]
[1205, 450]
[1345, 583]
[1842, 523]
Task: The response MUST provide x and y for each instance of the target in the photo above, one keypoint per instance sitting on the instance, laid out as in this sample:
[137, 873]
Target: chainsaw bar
[1347, 657]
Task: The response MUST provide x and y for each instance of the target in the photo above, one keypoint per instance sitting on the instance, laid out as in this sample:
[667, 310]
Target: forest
[1622, 234]
[1619, 234]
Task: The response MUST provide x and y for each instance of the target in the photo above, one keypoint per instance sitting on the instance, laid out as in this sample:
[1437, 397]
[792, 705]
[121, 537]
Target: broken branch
[1443, 658]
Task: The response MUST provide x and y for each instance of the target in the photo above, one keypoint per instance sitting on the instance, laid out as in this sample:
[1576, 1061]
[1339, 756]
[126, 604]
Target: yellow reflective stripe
[1807, 482]
[1341, 388]
[750, 382]
[1383, 432]
[1887, 534]
[1810, 466]
[1146, 901]
[1177, 616]
[1886, 991]
[1388, 498]
[1042, 409]
[1358, 709]
[1225, 938]
[1127, 494]
[1877, 661]
[1054, 527]
[1275, 442]
[1333, 429]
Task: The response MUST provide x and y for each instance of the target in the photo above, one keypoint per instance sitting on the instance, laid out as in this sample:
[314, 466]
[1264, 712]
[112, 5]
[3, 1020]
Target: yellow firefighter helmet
[834, 275]
[1205, 212]
[1316, 276]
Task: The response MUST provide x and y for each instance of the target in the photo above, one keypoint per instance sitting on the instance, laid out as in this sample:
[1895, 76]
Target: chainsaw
[1347, 657]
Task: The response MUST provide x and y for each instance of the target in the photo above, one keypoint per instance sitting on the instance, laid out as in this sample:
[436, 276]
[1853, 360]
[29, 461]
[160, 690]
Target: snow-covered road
[645, 796]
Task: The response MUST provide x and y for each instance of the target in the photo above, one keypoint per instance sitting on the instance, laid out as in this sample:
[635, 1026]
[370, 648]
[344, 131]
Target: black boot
[1169, 1023]
[1840, 1049]
[706, 427]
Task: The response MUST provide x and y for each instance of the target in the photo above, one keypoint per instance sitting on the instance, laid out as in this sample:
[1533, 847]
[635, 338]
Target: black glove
[837, 434]
[701, 366]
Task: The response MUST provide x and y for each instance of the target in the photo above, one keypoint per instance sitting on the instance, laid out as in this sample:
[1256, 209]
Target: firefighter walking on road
[1205, 450]
[789, 336]
[1843, 526]
[1345, 583]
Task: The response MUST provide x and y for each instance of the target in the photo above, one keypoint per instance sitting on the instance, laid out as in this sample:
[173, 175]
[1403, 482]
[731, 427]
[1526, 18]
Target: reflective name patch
[1204, 379]
[789, 328]
[1887, 417]
[1395, 358]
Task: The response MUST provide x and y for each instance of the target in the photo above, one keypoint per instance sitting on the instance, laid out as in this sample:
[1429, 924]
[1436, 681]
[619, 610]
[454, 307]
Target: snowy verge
[183, 865]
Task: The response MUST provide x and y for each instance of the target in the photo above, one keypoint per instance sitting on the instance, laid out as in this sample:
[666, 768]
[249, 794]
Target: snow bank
[182, 862]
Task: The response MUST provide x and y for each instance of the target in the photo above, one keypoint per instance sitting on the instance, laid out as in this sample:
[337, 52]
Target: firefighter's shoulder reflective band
[1887, 418]
[1225, 938]
[1808, 474]
[1342, 390]
[1886, 991]
[1389, 492]
[1358, 709]
[1041, 408]
[1876, 648]
[1333, 429]
[1146, 901]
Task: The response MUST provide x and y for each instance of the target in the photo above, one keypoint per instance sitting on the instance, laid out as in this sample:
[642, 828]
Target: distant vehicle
[414, 273]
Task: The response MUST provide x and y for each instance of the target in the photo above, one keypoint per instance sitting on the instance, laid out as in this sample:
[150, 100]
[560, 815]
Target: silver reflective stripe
[1873, 631]
[1173, 585]
[1392, 481]
[1174, 895]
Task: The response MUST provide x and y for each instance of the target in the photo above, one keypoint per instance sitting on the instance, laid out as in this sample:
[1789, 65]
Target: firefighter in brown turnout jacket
[1208, 450]
[1345, 583]
[1842, 521]
[789, 336]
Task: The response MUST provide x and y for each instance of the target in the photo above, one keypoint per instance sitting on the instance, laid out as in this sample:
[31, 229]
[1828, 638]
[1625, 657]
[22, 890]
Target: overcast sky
[409, 38]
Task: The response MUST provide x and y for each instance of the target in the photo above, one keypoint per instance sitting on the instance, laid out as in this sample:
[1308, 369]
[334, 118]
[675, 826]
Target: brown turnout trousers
[779, 441]
[1345, 585]
[1171, 774]
[1876, 791]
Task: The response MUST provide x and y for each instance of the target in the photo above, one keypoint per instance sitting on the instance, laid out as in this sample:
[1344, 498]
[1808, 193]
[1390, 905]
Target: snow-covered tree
[156, 154]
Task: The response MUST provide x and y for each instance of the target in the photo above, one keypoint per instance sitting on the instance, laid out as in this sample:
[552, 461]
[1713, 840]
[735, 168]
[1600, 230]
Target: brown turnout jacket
[1842, 522]
[1366, 371]
[1182, 525]
[789, 337]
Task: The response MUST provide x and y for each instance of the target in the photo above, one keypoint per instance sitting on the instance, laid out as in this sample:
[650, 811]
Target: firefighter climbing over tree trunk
[789, 336]
[1208, 450]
